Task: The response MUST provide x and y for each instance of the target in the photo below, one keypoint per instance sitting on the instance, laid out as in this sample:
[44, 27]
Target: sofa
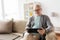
[11, 29]
[14, 30]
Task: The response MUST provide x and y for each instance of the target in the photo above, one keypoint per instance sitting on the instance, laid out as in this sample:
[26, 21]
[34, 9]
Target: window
[1, 10]
[11, 9]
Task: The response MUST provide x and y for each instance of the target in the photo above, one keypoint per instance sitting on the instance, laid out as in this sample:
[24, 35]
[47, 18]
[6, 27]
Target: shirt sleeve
[50, 25]
[28, 25]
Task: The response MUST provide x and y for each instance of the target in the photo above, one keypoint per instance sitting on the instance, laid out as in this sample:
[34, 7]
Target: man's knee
[51, 36]
[30, 36]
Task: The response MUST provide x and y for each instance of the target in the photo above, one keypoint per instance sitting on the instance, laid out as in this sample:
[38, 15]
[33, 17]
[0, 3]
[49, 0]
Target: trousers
[29, 36]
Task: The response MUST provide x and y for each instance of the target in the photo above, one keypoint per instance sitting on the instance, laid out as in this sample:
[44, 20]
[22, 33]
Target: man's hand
[41, 31]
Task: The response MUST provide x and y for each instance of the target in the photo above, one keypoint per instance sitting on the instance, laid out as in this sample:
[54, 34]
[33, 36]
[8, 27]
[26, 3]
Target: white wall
[49, 6]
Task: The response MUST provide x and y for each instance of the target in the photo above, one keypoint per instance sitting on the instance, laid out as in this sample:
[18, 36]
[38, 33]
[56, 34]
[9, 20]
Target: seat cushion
[5, 26]
[8, 36]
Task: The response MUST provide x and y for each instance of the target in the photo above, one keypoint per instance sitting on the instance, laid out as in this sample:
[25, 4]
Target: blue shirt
[37, 22]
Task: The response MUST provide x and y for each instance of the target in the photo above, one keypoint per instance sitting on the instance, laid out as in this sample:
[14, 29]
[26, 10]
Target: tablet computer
[33, 30]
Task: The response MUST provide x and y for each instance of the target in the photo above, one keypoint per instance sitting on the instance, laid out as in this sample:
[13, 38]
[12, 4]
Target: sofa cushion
[19, 26]
[5, 26]
[8, 36]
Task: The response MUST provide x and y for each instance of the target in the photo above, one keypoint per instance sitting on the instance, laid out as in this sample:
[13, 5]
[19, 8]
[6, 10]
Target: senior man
[40, 21]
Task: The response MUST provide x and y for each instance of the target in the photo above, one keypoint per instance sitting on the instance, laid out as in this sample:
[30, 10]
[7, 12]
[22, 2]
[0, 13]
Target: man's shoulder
[31, 18]
[41, 16]
[44, 15]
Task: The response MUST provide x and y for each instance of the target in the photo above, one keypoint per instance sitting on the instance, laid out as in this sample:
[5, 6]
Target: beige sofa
[13, 30]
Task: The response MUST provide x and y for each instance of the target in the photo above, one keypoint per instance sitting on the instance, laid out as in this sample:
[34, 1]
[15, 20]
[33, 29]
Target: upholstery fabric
[19, 26]
[5, 26]
[8, 36]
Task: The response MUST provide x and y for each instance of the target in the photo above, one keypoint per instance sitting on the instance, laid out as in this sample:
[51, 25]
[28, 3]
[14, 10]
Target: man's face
[38, 9]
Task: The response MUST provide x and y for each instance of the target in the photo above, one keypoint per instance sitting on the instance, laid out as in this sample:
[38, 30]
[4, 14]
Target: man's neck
[39, 14]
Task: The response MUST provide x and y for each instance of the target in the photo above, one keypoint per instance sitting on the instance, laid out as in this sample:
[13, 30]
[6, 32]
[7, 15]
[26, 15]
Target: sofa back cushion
[19, 26]
[5, 26]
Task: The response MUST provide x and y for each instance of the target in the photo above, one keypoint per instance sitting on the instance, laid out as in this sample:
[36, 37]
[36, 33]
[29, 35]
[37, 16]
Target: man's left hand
[42, 32]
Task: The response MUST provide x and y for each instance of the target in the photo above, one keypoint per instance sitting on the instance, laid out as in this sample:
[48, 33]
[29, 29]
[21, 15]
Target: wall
[49, 6]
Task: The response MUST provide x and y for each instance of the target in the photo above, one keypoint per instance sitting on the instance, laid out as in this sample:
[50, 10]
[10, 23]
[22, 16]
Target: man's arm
[28, 25]
[50, 27]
